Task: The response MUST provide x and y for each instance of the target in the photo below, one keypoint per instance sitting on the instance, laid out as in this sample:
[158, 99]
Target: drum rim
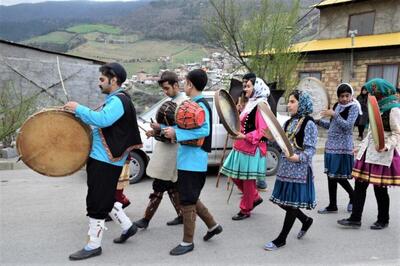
[264, 108]
[228, 97]
[322, 86]
[57, 110]
[374, 115]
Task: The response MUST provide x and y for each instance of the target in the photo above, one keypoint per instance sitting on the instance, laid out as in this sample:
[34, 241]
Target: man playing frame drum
[115, 134]
[162, 166]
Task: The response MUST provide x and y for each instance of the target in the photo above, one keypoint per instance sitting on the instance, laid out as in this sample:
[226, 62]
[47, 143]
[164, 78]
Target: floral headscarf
[385, 93]
[260, 93]
[305, 104]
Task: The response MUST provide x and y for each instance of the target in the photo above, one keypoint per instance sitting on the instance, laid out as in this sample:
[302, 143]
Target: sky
[14, 2]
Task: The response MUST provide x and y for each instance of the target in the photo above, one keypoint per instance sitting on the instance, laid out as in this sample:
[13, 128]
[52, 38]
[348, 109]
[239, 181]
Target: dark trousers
[102, 179]
[361, 130]
[190, 184]
[290, 218]
[382, 200]
[162, 186]
[332, 187]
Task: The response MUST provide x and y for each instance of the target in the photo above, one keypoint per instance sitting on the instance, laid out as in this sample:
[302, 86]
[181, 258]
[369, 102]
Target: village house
[357, 40]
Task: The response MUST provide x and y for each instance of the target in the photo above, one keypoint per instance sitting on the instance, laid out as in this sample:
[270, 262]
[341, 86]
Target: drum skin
[375, 121]
[318, 93]
[276, 130]
[166, 113]
[227, 112]
[53, 142]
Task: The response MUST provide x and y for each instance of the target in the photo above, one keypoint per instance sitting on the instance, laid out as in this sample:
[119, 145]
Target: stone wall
[32, 71]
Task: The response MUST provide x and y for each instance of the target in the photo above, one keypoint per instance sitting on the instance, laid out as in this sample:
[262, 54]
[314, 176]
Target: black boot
[85, 254]
[131, 231]
[177, 220]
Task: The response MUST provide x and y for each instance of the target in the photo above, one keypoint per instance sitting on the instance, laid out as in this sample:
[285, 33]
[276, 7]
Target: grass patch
[86, 28]
[58, 37]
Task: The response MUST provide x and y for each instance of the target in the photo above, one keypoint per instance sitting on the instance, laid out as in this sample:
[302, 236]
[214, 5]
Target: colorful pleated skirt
[339, 165]
[378, 174]
[296, 195]
[244, 166]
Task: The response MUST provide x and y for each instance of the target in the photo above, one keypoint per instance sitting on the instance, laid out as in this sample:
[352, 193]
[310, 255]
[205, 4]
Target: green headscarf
[385, 91]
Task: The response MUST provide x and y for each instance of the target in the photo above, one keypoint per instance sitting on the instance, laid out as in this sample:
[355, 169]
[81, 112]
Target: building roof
[368, 41]
[52, 52]
[332, 2]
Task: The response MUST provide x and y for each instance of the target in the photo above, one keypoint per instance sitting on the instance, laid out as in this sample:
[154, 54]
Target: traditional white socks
[95, 233]
[118, 215]
[212, 228]
[185, 244]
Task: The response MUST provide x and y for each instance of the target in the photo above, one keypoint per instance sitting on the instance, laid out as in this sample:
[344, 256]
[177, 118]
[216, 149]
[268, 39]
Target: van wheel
[273, 160]
[137, 168]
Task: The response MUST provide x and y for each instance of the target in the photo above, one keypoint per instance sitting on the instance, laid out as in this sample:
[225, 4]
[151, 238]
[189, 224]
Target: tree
[259, 35]
[14, 109]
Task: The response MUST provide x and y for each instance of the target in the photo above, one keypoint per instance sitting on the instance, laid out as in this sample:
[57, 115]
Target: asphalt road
[43, 221]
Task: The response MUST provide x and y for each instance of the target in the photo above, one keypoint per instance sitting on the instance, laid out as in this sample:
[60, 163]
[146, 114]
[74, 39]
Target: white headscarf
[353, 101]
[260, 93]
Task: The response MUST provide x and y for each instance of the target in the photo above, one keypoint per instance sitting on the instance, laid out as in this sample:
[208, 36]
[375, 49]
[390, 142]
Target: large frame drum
[53, 142]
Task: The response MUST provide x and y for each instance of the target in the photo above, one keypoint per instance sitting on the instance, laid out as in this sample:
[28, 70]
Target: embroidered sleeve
[111, 112]
[351, 119]
[255, 136]
[196, 133]
[310, 142]
[393, 140]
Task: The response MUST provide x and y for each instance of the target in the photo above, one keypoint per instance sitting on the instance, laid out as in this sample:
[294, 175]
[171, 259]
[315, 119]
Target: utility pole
[352, 34]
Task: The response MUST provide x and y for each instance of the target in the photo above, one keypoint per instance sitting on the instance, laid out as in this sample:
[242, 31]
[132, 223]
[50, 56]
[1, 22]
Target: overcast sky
[14, 2]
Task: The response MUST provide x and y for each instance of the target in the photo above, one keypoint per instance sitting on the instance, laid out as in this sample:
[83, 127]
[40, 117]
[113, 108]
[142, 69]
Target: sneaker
[240, 216]
[349, 223]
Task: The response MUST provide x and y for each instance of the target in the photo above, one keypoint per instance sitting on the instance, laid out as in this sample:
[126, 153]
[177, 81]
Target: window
[363, 23]
[314, 74]
[388, 72]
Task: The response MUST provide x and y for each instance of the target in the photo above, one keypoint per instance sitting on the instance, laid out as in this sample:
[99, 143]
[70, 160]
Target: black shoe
[85, 254]
[349, 223]
[176, 221]
[240, 216]
[257, 202]
[214, 232]
[305, 227]
[142, 223]
[328, 210]
[378, 225]
[180, 250]
[131, 231]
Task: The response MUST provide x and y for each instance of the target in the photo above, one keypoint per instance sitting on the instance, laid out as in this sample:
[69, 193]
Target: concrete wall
[25, 67]
[334, 19]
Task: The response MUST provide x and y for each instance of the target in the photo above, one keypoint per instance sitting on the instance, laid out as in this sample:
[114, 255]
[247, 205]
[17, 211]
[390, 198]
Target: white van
[140, 158]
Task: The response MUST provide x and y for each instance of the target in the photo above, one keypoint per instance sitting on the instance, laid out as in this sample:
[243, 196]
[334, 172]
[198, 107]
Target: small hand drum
[227, 112]
[375, 122]
[276, 130]
[54, 143]
[318, 93]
